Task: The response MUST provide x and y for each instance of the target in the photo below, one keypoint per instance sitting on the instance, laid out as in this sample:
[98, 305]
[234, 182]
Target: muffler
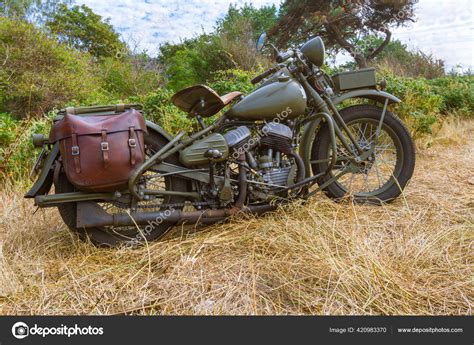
[90, 214]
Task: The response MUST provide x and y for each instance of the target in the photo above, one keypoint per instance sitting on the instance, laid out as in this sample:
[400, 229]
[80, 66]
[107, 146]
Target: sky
[444, 28]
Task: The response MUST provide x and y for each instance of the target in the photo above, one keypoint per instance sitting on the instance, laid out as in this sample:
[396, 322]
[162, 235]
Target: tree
[32, 10]
[343, 23]
[85, 30]
[194, 60]
[260, 19]
[37, 74]
[239, 29]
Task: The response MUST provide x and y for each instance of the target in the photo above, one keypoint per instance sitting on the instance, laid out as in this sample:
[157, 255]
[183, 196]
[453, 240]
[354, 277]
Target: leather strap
[57, 170]
[75, 153]
[104, 146]
[132, 143]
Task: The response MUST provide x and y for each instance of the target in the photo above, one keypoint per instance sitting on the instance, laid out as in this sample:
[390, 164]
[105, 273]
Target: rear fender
[45, 179]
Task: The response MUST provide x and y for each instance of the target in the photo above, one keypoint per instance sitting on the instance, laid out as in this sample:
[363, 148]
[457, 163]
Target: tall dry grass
[411, 257]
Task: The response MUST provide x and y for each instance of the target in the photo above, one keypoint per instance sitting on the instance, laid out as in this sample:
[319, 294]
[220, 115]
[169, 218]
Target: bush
[17, 153]
[7, 129]
[130, 75]
[193, 61]
[232, 80]
[39, 74]
[413, 65]
[457, 94]
[159, 109]
[420, 107]
[403, 62]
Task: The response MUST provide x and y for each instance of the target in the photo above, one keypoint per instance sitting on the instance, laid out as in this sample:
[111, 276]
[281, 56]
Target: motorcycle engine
[270, 156]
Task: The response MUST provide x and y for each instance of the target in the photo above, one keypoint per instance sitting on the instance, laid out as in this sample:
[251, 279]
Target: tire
[403, 149]
[107, 236]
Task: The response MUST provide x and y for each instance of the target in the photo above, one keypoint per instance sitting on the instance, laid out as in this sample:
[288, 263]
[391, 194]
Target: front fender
[375, 95]
[311, 128]
[45, 179]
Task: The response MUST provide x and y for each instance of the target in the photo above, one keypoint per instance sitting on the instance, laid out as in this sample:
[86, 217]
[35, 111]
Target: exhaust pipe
[89, 215]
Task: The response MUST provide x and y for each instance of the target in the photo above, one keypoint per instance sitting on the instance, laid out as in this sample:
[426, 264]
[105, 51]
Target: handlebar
[281, 57]
[265, 74]
[284, 56]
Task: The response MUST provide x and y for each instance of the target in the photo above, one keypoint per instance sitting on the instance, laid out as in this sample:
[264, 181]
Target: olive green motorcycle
[290, 138]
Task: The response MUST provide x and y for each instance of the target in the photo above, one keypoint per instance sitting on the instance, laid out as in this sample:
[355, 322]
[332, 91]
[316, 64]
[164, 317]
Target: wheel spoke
[376, 173]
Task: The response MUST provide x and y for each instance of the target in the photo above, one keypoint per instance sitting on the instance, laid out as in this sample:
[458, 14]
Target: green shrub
[39, 74]
[420, 107]
[194, 60]
[130, 75]
[17, 153]
[7, 129]
[232, 80]
[457, 94]
[159, 109]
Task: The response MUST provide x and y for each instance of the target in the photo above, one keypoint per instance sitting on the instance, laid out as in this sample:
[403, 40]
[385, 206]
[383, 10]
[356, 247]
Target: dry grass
[411, 257]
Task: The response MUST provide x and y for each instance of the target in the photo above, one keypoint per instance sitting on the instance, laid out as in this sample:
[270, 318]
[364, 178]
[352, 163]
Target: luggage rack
[98, 110]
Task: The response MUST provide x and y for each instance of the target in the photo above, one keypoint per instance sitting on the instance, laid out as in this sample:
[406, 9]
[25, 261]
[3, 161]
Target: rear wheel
[113, 236]
[384, 176]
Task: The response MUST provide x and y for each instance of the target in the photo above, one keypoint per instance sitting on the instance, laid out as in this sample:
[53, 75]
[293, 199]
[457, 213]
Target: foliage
[239, 29]
[158, 108]
[17, 153]
[136, 74]
[420, 107]
[232, 80]
[342, 23]
[261, 19]
[398, 59]
[76, 66]
[194, 60]
[39, 74]
[457, 93]
[85, 30]
[34, 10]
[7, 129]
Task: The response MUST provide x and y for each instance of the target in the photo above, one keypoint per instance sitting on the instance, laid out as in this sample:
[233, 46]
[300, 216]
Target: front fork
[336, 127]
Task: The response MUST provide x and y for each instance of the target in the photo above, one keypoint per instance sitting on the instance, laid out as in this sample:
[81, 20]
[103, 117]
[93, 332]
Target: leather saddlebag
[99, 153]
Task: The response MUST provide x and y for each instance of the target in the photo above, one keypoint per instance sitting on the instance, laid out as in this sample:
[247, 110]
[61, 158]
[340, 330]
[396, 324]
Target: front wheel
[384, 175]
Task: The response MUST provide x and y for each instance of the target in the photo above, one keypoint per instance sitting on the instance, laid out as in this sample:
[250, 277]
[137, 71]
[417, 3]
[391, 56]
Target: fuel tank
[284, 99]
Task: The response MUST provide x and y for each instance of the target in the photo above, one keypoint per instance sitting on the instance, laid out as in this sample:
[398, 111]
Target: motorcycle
[288, 139]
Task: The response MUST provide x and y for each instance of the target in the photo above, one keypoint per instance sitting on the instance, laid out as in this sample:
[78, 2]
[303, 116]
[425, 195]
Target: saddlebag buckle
[75, 150]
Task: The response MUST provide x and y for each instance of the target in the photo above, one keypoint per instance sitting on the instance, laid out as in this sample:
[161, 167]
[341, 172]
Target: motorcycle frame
[325, 110]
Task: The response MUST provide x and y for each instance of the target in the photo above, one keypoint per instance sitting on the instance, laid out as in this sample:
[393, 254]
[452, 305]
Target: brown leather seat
[202, 100]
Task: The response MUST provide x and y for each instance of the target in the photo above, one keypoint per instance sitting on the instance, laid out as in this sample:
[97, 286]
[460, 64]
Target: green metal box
[359, 79]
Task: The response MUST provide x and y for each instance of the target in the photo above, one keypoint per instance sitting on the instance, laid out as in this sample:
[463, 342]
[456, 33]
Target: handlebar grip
[260, 77]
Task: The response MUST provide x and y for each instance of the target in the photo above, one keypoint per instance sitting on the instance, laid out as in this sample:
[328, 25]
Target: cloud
[153, 22]
[444, 27]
